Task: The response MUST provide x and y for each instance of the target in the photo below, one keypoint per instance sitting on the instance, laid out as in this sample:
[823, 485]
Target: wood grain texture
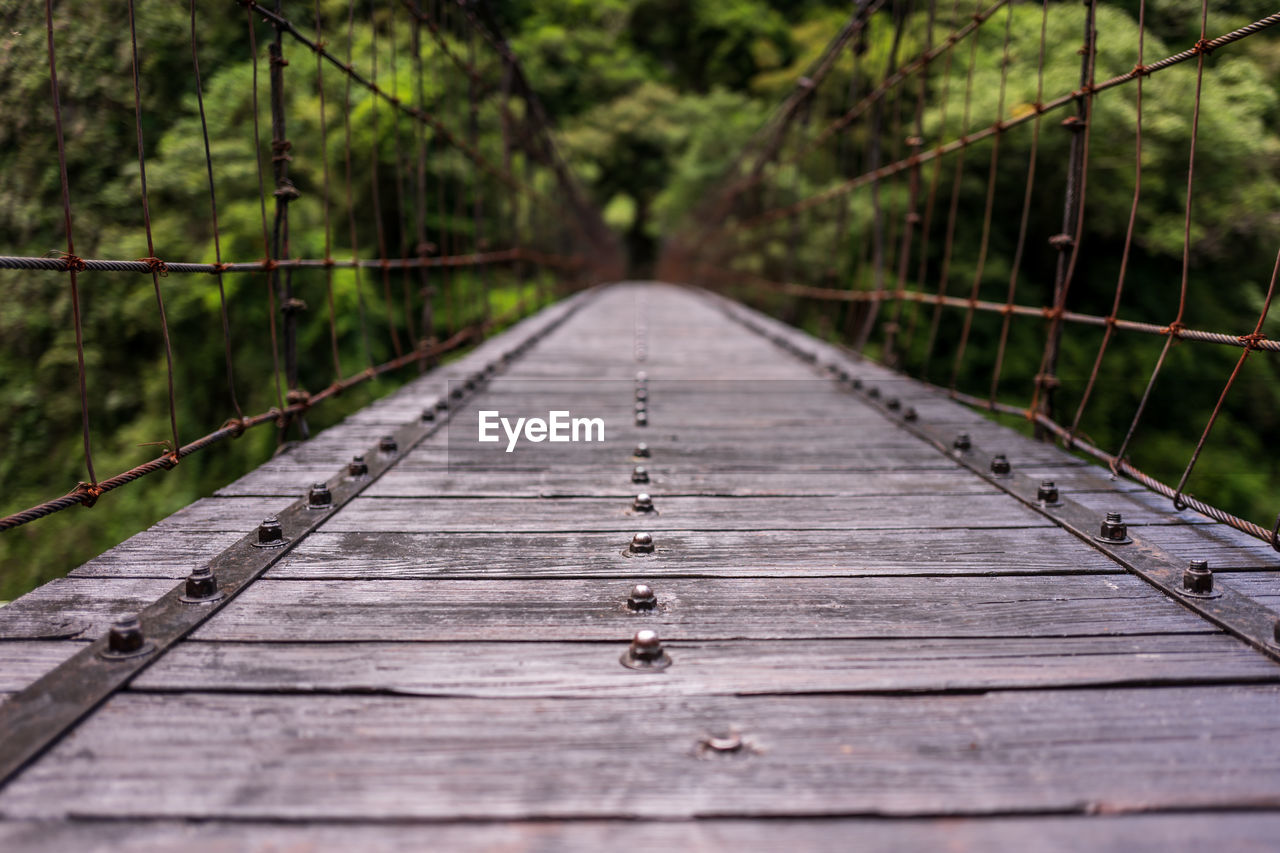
[1131, 833]
[780, 553]
[77, 608]
[707, 608]
[743, 667]
[423, 515]
[329, 757]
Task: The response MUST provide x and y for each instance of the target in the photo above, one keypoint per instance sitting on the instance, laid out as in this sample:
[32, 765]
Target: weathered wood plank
[23, 661]
[498, 670]
[785, 553]
[422, 515]
[701, 609]
[1133, 833]
[331, 757]
[158, 554]
[77, 608]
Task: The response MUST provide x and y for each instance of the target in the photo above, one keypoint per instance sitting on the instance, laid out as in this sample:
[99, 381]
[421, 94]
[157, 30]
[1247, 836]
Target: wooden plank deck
[871, 644]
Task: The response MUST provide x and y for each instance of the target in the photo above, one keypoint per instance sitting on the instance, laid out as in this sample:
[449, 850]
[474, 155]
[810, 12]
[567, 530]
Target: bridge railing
[860, 209]
[431, 179]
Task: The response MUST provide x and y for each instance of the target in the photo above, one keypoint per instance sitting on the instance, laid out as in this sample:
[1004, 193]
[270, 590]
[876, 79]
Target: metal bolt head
[857, 384]
[270, 533]
[387, 444]
[442, 404]
[642, 543]
[357, 467]
[646, 652]
[640, 474]
[643, 503]
[642, 597]
[456, 392]
[1047, 493]
[1113, 530]
[962, 442]
[910, 414]
[201, 587]
[641, 377]
[1000, 465]
[428, 414]
[873, 393]
[1198, 578]
[126, 640]
[642, 394]
[642, 451]
[642, 407]
[893, 403]
[642, 419]
[319, 497]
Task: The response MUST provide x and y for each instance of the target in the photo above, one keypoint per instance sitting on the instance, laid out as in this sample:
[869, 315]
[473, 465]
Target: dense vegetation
[652, 100]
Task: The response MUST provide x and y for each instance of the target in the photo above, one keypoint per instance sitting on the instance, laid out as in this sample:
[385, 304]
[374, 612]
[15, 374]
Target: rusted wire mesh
[889, 232]
[531, 220]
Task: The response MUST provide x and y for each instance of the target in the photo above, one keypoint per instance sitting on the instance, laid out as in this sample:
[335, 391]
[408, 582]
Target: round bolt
[857, 384]
[727, 743]
[642, 419]
[456, 392]
[387, 444]
[641, 377]
[201, 588]
[910, 414]
[873, 393]
[357, 467]
[642, 451]
[126, 640]
[1047, 494]
[270, 533]
[442, 404]
[1198, 578]
[642, 394]
[1114, 531]
[642, 407]
[643, 503]
[646, 652]
[1000, 465]
[893, 403]
[642, 543]
[640, 474]
[319, 497]
[428, 414]
[642, 598]
[962, 442]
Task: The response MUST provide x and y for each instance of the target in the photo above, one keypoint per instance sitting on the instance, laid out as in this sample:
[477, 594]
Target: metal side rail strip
[35, 718]
[1240, 615]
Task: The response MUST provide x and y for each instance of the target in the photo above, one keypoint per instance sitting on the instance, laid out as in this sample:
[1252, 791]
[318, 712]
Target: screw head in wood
[642, 543]
[962, 442]
[201, 587]
[642, 451]
[640, 474]
[357, 467]
[126, 640]
[319, 497]
[646, 652]
[1113, 530]
[270, 533]
[642, 419]
[643, 503]
[642, 597]
[387, 444]
[1000, 466]
[1047, 493]
[1197, 580]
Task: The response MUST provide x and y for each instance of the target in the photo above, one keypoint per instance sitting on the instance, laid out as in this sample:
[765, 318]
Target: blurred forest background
[651, 100]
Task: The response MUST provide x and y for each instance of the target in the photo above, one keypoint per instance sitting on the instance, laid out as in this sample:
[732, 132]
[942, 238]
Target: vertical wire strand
[157, 267]
[72, 260]
[262, 209]
[213, 213]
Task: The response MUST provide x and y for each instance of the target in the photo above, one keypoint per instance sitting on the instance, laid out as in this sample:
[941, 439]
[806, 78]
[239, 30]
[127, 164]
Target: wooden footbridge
[864, 637]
